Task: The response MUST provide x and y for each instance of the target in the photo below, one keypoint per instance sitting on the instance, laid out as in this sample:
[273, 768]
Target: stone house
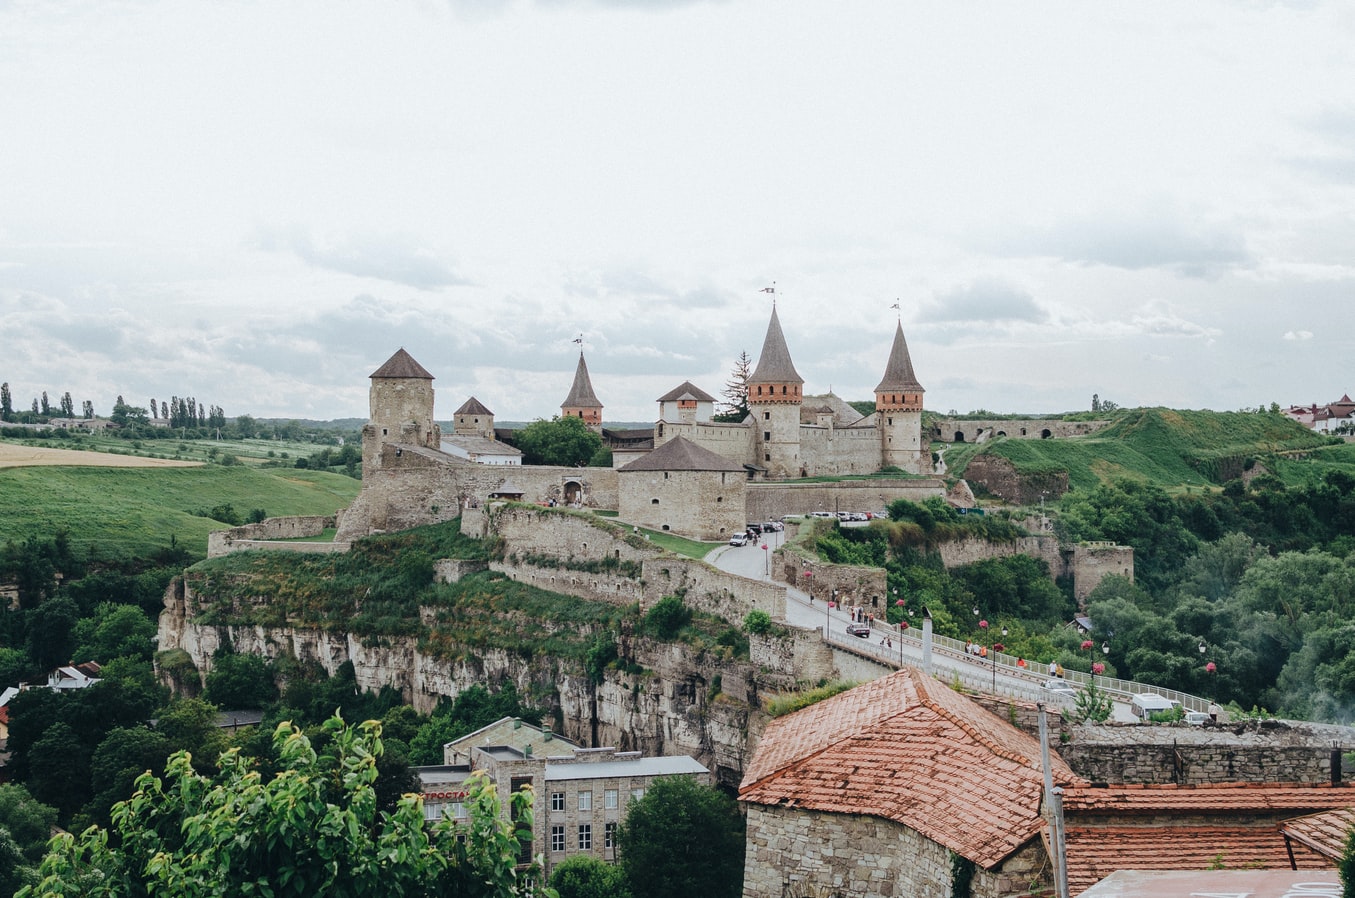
[683, 488]
[897, 786]
[581, 794]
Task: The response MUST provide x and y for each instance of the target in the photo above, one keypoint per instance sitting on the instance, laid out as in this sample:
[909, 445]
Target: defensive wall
[417, 486]
[841, 450]
[581, 555]
[771, 500]
[260, 536]
[954, 430]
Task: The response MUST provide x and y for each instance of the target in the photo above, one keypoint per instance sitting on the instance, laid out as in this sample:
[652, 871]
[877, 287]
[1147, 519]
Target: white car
[1058, 687]
[739, 539]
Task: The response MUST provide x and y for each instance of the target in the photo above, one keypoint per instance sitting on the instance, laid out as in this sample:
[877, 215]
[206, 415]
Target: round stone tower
[401, 401]
[898, 411]
[775, 392]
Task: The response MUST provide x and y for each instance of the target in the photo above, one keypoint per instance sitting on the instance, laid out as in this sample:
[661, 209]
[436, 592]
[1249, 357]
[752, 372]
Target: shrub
[757, 622]
[667, 618]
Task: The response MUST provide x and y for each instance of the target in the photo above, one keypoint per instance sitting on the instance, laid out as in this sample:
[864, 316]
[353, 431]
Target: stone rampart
[968, 551]
[841, 450]
[954, 430]
[421, 486]
[1092, 562]
[590, 557]
[254, 536]
[767, 501]
[849, 584]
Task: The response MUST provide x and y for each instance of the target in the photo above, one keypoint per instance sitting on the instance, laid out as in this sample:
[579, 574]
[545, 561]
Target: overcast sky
[257, 203]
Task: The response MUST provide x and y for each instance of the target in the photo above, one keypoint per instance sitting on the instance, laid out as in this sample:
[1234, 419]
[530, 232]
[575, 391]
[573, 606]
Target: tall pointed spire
[899, 376]
[582, 402]
[774, 364]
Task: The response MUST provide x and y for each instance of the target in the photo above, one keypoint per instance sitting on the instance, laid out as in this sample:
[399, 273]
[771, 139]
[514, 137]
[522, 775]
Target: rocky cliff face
[683, 703]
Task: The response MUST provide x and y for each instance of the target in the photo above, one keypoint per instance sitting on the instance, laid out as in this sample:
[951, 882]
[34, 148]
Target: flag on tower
[895, 305]
[578, 339]
[771, 289]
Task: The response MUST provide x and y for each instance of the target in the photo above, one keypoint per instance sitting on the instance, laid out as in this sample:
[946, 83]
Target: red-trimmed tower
[898, 410]
[582, 402]
[775, 391]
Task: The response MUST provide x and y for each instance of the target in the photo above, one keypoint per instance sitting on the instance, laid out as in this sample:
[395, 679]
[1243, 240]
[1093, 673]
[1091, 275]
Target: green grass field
[250, 452]
[1172, 448]
[116, 513]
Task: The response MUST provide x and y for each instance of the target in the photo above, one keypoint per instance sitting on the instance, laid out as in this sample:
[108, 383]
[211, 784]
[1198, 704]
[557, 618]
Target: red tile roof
[1325, 833]
[1096, 851]
[908, 749]
[1207, 798]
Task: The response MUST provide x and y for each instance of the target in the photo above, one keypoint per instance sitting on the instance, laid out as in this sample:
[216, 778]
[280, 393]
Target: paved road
[752, 561]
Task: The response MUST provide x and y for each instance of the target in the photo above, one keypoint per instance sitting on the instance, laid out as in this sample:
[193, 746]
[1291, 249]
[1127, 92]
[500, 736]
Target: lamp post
[768, 558]
[997, 647]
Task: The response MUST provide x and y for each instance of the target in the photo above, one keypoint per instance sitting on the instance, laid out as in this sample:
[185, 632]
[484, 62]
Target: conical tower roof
[774, 364]
[402, 365]
[473, 406]
[899, 376]
[581, 394]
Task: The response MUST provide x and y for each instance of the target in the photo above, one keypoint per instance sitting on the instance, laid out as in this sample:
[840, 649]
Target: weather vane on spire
[772, 291]
[895, 307]
[579, 340]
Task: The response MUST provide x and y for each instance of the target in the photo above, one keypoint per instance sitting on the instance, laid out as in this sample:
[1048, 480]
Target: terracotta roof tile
[908, 749]
[1096, 851]
[1325, 833]
[1210, 798]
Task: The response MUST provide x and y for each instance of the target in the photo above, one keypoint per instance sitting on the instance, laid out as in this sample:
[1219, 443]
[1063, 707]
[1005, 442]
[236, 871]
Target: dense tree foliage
[559, 441]
[582, 876]
[682, 839]
[311, 825]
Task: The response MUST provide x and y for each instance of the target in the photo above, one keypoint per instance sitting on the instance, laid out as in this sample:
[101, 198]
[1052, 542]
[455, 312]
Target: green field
[1173, 448]
[249, 452]
[116, 513]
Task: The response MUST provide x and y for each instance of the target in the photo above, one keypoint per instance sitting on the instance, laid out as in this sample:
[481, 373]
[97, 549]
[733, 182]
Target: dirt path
[13, 455]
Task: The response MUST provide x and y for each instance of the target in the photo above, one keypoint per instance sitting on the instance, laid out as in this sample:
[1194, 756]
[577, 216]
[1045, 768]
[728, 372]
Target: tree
[312, 828]
[735, 407]
[559, 441]
[87, 409]
[155, 413]
[582, 876]
[27, 820]
[6, 403]
[681, 839]
[46, 406]
[114, 631]
[67, 405]
[240, 681]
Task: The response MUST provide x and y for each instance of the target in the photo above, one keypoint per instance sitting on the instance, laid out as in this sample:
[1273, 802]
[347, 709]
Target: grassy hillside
[1173, 448]
[120, 512]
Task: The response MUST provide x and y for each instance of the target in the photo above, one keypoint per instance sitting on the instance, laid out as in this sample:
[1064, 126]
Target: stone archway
[573, 492]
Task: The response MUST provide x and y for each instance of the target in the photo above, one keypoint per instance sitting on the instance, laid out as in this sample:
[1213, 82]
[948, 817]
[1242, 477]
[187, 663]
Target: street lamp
[768, 558]
[997, 647]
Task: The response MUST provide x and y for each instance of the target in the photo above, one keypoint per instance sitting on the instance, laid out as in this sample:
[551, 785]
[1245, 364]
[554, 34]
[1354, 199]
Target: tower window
[766, 416]
[653, 501]
[767, 435]
[783, 389]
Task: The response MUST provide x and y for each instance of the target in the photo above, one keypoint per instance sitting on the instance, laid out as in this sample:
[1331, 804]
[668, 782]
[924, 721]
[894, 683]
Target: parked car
[857, 628]
[739, 539]
[772, 526]
[755, 528]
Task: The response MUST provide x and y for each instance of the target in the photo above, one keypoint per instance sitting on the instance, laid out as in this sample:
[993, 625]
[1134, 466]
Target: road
[887, 644]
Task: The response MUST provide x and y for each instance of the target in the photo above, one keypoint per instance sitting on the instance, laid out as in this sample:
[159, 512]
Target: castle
[690, 474]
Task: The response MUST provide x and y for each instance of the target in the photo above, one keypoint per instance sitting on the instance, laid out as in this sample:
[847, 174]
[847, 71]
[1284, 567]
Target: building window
[767, 436]
[766, 416]
[767, 457]
[609, 836]
[557, 837]
[609, 799]
[653, 501]
[557, 801]
[637, 794]
[585, 837]
[585, 801]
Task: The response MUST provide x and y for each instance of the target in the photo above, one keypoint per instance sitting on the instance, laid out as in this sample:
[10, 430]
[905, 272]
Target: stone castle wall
[952, 430]
[733, 441]
[768, 501]
[828, 451]
[248, 536]
[532, 536]
[968, 551]
[1092, 562]
[706, 505]
[416, 487]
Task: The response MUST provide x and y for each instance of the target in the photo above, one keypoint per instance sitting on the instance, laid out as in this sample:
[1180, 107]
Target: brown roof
[402, 365]
[686, 390]
[907, 748]
[581, 393]
[899, 369]
[1096, 851]
[774, 364]
[473, 406]
[1207, 798]
[681, 454]
[1325, 833]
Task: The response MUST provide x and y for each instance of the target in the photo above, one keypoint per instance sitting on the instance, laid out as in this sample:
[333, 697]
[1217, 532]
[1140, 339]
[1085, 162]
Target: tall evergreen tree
[67, 405]
[6, 403]
[46, 406]
[88, 409]
[154, 410]
[735, 407]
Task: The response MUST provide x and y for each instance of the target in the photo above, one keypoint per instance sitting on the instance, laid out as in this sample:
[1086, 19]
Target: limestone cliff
[684, 702]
